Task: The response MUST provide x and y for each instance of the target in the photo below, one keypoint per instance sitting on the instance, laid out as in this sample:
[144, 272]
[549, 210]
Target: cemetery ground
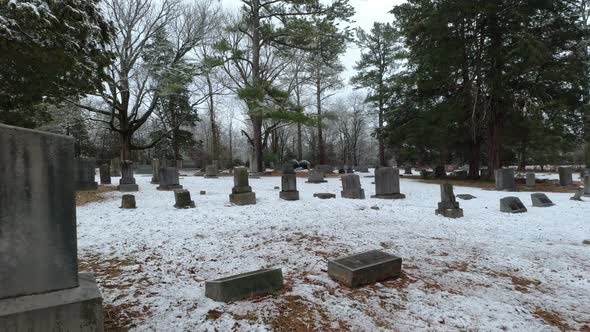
[487, 271]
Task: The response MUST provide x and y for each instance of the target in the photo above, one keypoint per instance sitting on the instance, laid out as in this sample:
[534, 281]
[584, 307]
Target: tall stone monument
[351, 187]
[155, 171]
[448, 205]
[289, 184]
[40, 287]
[105, 174]
[387, 183]
[565, 176]
[85, 173]
[169, 179]
[242, 192]
[505, 179]
[127, 181]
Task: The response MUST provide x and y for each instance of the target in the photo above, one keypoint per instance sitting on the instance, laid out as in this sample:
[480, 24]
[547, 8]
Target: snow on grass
[486, 271]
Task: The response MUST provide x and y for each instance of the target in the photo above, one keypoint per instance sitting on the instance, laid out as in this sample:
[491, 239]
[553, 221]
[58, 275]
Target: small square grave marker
[244, 285]
[512, 205]
[364, 268]
[541, 200]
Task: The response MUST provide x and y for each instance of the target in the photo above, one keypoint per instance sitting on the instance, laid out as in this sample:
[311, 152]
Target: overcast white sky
[367, 12]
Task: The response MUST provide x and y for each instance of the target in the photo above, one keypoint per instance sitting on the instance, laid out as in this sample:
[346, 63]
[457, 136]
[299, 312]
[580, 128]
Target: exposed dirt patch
[296, 314]
[122, 317]
[552, 318]
[91, 196]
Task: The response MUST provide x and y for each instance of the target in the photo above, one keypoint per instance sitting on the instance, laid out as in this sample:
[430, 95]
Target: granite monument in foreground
[242, 192]
[40, 288]
[127, 181]
[448, 205]
[169, 179]
[387, 183]
[289, 190]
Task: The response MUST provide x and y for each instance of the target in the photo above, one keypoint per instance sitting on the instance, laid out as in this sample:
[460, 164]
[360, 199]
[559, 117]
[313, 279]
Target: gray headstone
[169, 179]
[143, 169]
[128, 202]
[155, 171]
[315, 176]
[85, 173]
[289, 187]
[244, 285]
[512, 205]
[408, 171]
[387, 183]
[362, 169]
[578, 195]
[40, 289]
[505, 179]
[365, 268]
[211, 171]
[565, 176]
[127, 181]
[351, 187]
[541, 200]
[242, 192]
[324, 195]
[448, 206]
[530, 180]
[587, 185]
[182, 198]
[105, 174]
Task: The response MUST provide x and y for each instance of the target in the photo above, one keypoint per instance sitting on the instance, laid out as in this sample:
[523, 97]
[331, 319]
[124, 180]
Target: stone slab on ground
[244, 285]
[289, 195]
[541, 200]
[512, 205]
[324, 195]
[72, 309]
[466, 197]
[243, 198]
[364, 268]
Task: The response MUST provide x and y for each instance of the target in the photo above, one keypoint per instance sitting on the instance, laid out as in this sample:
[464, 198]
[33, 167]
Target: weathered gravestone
[289, 184]
[105, 174]
[315, 176]
[587, 185]
[512, 205]
[408, 171]
[364, 268]
[169, 179]
[351, 187]
[40, 287]
[505, 179]
[85, 173]
[182, 198]
[115, 167]
[203, 192]
[578, 195]
[530, 180]
[211, 171]
[244, 285]
[324, 195]
[143, 169]
[127, 181]
[387, 183]
[541, 200]
[326, 169]
[362, 169]
[565, 176]
[155, 171]
[242, 192]
[448, 206]
[128, 202]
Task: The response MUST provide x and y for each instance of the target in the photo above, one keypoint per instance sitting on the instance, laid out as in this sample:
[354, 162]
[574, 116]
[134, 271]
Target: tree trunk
[214, 129]
[474, 155]
[125, 139]
[321, 147]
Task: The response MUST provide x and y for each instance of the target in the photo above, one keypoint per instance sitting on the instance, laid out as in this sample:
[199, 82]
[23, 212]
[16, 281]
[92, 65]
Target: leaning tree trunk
[321, 147]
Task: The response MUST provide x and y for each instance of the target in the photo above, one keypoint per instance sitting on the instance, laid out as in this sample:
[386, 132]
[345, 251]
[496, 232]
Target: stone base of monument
[73, 309]
[244, 285]
[169, 187]
[512, 205]
[243, 198]
[83, 186]
[353, 194]
[289, 195]
[389, 196]
[316, 181]
[364, 268]
[449, 213]
[541, 200]
[128, 187]
[324, 195]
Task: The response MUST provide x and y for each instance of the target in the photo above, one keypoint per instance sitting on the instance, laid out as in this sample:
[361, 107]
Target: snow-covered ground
[487, 271]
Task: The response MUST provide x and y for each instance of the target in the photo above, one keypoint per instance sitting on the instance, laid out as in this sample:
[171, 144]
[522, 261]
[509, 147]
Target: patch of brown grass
[296, 314]
[121, 317]
[91, 196]
[552, 318]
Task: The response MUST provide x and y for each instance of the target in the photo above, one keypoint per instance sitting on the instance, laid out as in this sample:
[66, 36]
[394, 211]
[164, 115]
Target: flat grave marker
[364, 268]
